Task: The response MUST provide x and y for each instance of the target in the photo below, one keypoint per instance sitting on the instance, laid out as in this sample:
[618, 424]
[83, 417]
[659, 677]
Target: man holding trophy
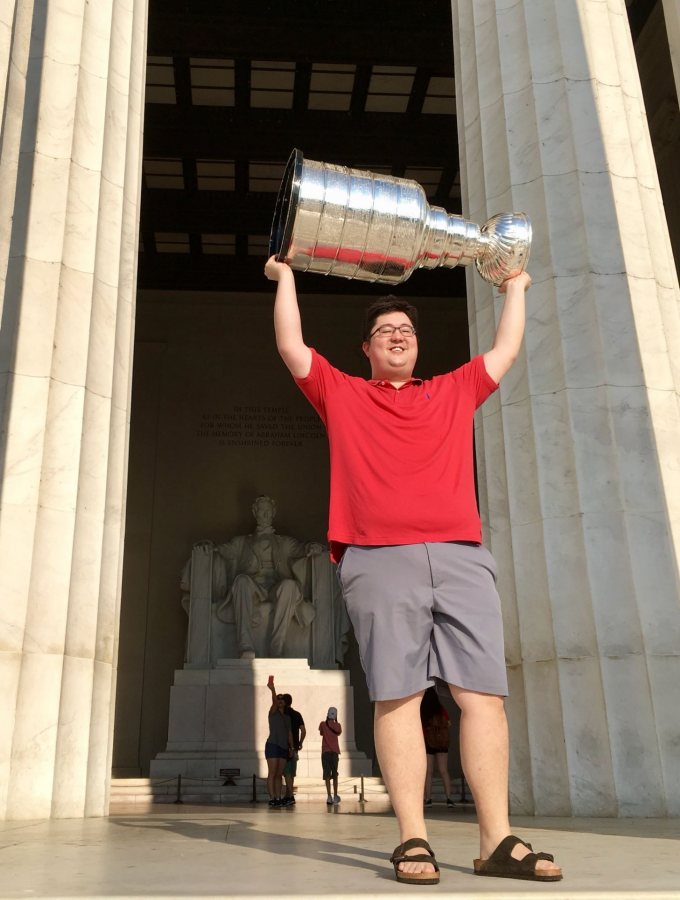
[405, 530]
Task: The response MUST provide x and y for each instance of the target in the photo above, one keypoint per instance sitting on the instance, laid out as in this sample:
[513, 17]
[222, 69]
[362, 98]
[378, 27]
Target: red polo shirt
[401, 460]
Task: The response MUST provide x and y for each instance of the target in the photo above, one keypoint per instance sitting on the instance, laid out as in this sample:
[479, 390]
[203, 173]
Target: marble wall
[579, 453]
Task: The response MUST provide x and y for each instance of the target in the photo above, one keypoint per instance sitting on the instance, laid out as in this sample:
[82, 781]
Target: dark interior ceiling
[233, 87]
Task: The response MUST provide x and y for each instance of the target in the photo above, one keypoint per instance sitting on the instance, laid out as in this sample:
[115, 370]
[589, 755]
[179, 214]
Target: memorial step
[126, 791]
[135, 791]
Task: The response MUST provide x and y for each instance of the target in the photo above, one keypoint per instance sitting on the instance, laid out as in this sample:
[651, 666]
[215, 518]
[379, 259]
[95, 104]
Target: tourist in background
[299, 734]
[279, 746]
[330, 753]
[436, 731]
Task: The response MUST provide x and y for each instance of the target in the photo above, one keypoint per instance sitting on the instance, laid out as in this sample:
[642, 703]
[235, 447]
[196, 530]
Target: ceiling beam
[211, 212]
[412, 33]
[221, 212]
[208, 132]
[168, 271]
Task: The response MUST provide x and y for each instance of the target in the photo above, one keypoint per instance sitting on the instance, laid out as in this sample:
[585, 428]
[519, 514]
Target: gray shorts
[425, 610]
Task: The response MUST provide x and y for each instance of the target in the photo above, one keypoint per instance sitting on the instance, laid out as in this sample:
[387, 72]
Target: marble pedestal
[218, 717]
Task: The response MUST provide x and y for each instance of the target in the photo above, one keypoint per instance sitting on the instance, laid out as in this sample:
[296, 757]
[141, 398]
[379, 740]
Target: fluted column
[579, 453]
[69, 196]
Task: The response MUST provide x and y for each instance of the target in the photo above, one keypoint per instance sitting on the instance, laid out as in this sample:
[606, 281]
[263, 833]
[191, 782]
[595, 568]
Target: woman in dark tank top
[279, 745]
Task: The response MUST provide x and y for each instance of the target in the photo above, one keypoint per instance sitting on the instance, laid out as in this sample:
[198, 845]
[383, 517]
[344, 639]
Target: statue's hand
[314, 548]
[204, 546]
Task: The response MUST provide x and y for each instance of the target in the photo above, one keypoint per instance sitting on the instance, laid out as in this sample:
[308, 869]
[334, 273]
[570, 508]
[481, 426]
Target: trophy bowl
[356, 224]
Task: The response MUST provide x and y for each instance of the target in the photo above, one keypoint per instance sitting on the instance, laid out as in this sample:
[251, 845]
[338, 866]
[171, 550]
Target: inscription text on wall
[260, 426]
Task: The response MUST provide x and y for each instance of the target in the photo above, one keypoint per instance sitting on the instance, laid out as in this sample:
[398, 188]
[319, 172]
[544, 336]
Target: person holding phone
[278, 747]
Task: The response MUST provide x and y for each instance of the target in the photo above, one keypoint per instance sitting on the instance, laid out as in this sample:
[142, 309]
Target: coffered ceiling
[234, 86]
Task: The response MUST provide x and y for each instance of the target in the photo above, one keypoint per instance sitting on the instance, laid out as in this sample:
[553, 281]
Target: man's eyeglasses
[388, 331]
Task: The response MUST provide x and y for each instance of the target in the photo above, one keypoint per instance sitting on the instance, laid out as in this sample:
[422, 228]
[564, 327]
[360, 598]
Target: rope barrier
[364, 790]
[347, 780]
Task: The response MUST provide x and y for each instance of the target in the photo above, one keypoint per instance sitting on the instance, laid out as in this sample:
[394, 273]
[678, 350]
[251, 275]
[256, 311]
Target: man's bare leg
[401, 752]
[484, 754]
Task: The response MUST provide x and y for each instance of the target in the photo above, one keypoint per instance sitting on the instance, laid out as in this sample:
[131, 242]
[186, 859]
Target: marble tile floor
[313, 850]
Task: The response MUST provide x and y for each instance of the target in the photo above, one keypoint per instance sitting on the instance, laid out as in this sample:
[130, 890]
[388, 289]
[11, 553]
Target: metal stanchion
[254, 800]
[362, 796]
[179, 790]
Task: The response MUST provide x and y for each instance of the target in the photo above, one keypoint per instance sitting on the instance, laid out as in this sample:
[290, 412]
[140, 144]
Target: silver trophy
[340, 221]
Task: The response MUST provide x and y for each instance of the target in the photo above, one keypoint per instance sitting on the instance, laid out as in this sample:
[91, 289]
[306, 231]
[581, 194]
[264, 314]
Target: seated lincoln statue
[263, 594]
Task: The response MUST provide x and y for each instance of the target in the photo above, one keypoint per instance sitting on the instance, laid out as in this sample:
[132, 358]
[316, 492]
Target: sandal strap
[416, 857]
[528, 863]
[512, 840]
[399, 855]
[503, 851]
[502, 859]
[412, 843]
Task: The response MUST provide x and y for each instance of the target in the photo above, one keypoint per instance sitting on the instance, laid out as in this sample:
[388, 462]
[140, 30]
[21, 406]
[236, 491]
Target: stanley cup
[340, 221]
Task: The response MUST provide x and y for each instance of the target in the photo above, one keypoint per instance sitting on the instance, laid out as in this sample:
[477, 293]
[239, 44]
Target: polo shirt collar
[384, 383]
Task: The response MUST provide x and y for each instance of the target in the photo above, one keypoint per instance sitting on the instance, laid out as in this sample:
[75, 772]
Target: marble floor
[313, 850]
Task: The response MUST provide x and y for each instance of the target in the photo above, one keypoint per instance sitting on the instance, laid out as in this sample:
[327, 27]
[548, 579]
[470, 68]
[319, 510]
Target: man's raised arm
[287, 323]
[510, 329]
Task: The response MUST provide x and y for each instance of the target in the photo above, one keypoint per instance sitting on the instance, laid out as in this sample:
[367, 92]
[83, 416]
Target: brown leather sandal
[502, 864]
[428, 857]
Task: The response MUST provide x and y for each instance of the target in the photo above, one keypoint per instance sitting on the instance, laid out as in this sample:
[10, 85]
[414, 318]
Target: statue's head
[264, 510]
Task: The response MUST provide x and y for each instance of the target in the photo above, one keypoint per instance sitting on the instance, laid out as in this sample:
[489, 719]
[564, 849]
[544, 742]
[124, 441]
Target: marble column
[70, 170]
[579, 452]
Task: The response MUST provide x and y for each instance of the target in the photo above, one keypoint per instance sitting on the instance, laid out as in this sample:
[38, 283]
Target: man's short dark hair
[388, 304]
[287, 699]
